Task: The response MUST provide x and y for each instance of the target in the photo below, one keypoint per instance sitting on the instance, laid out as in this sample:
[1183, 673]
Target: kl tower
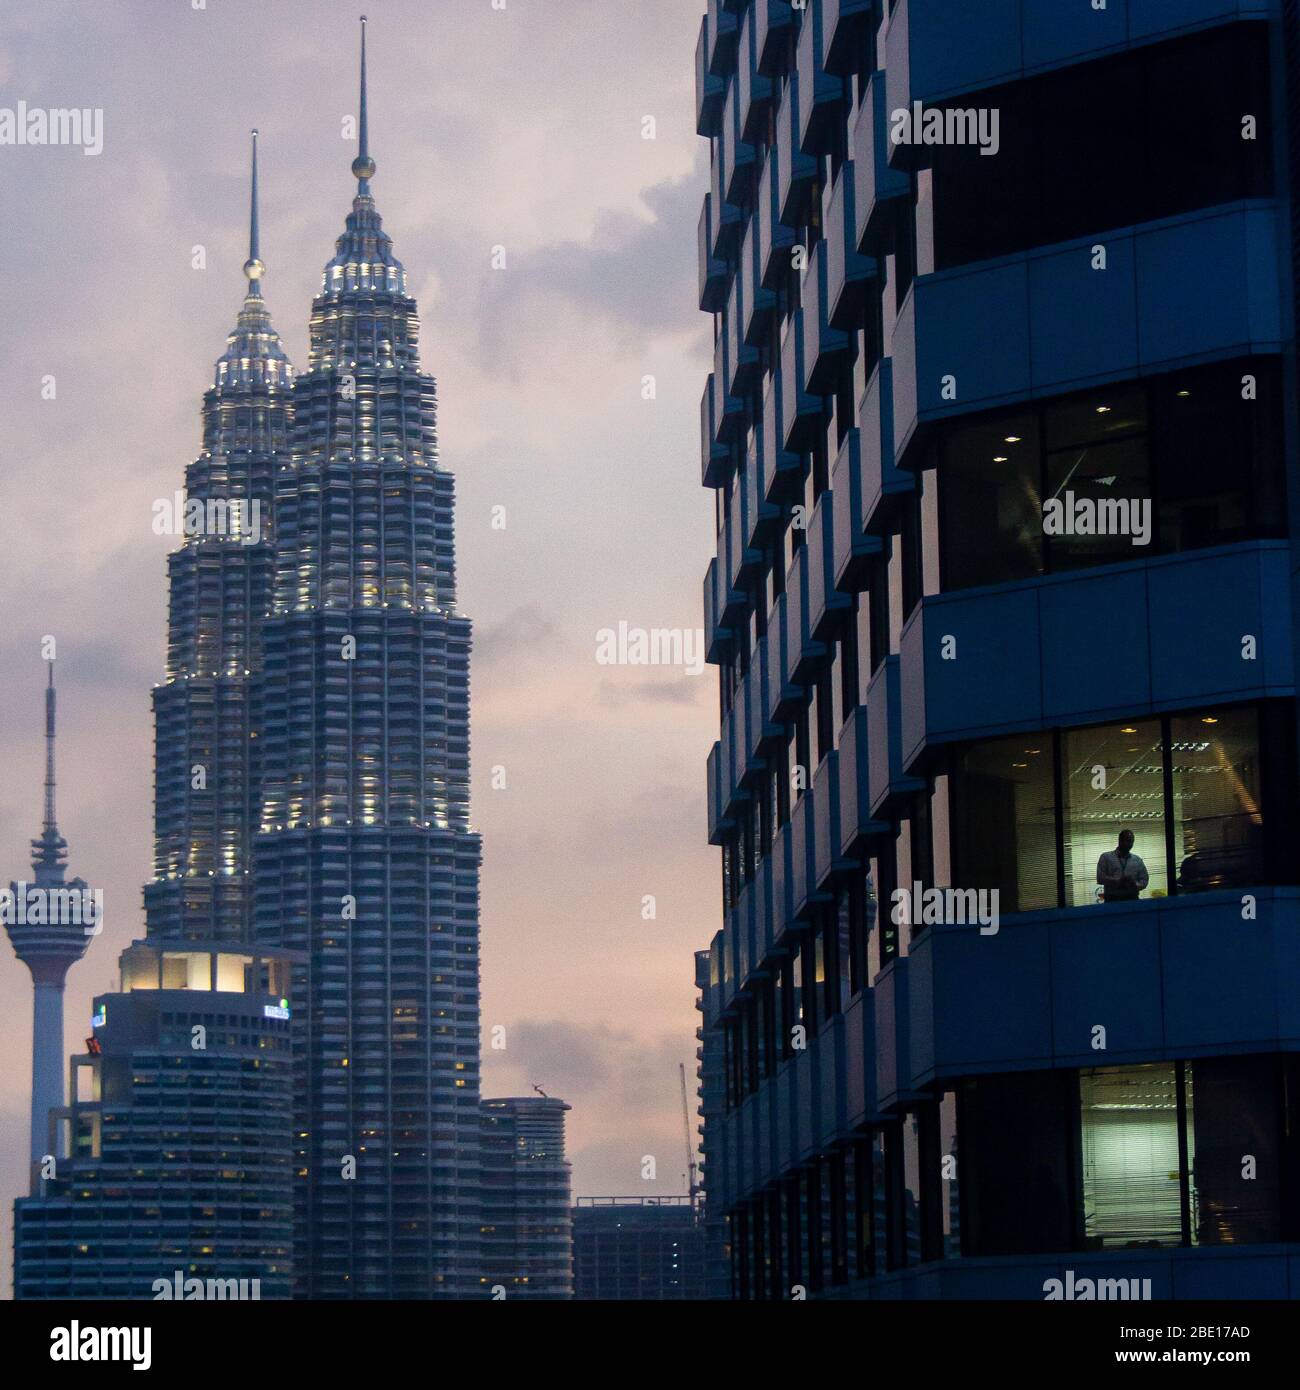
[50, 923]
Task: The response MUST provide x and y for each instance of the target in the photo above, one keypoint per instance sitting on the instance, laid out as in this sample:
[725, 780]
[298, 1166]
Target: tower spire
[253, 267]
[49, 826]
[50, 850]
[363, 167]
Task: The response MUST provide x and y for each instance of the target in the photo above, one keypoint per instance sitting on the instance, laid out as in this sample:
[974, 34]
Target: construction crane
[693, 1187]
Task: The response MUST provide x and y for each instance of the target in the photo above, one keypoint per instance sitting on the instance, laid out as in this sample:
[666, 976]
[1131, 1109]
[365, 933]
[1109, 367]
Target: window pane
[1015, 1179]
[1130, 1157]
[1004, 821]
[1218, 828]
[1236, 1166]
[1114, 782]
[1215, 450]
[1098, 470]
[990, 503]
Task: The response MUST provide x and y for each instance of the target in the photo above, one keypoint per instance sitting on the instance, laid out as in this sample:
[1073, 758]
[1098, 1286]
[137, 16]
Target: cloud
[685, 690]
[625, 1090]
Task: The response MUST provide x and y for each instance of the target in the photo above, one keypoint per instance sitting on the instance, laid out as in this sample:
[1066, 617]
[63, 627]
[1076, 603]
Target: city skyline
[575, 1049]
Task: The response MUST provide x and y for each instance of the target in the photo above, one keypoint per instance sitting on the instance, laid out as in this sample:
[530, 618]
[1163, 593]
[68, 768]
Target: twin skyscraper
[286, 1088]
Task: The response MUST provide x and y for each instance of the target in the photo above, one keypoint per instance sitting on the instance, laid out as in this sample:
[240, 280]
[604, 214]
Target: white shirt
[1112, 870]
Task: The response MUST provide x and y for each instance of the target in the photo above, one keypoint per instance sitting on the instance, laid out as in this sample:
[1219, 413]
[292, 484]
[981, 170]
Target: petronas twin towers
[312, 762]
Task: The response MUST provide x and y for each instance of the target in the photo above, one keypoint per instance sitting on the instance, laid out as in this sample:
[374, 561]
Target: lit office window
[1131, 1189]
[1113, 778]
[1218, 826]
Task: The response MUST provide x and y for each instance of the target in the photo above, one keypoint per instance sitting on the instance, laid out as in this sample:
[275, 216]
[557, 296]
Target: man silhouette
[1121, 873]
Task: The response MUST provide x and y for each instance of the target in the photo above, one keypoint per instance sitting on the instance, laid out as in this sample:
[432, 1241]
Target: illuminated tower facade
[366, 864]
[205, 714]
[50, 921]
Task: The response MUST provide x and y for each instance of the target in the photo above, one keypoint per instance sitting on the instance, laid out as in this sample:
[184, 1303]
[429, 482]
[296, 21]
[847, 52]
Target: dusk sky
[519, 127]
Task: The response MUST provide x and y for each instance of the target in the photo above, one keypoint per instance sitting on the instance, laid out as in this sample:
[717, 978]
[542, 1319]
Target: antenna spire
[49, 753]
[253, 267]
[363, 167]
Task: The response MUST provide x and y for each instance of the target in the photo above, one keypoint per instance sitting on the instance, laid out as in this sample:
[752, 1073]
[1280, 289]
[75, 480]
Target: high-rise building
[174, 1153]
[172, 1163]
[639, 1248]
[1001, 429]
[206, 739]
[50, 921]
[710, 1076]
[527, 1229]
[365, 862]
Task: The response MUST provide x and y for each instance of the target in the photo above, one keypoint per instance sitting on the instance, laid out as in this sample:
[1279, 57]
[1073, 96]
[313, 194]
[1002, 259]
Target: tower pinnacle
[363, 167]
[253, 267]
[49, 852]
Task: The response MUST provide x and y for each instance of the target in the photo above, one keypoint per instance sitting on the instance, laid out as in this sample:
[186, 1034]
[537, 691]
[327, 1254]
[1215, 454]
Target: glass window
[1218, 824]
[1015, 1179]
[884, 940]
[1004, 821]
[1234, 1148]
[1219, 456]
[1098, 472]
[1131, 1188]
[1114, 813]
[991, 502]
[1189, 460]
[1066, 168]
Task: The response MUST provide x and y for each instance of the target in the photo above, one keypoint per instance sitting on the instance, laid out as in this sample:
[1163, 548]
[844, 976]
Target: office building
[365, 863]
[527, 1235]
[206, 716]
[638, 1248]
[1001, 430]
[171, 1165]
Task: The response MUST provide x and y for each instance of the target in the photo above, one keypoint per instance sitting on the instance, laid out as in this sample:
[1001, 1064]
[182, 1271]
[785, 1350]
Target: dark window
[1003, 821]
[1181, 462]
[1070, 165]
[1016, 1176]
[990, 501]
[1235, 1151]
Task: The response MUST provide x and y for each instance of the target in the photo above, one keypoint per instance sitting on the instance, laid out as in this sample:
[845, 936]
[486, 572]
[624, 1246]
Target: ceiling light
[1012, 439]
[1209, 719]
[1000, 458]
[1103, 410]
